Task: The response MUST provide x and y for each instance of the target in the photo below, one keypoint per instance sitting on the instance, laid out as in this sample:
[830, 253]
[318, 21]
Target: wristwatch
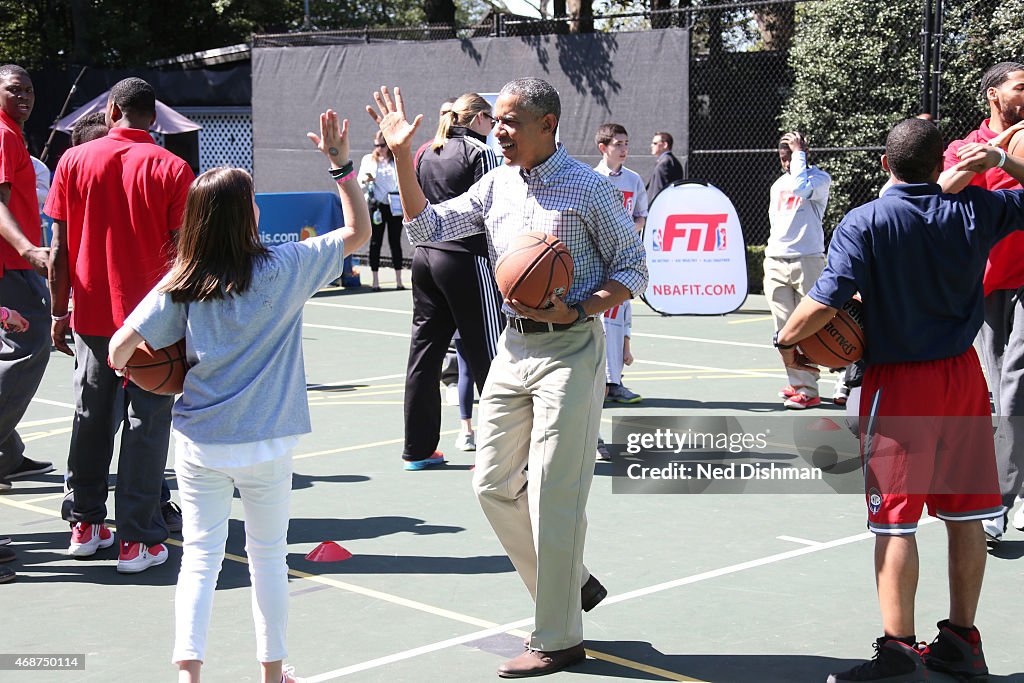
[581, 314]
[776, 344]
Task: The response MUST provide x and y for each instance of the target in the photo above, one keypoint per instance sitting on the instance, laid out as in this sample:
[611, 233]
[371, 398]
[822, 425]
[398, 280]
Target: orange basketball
[161, 371]
[841, 341]
[535, 266]
[1016, 144]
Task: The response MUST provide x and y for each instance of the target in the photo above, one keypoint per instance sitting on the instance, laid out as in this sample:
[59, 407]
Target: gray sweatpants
[23, 358]
[1002, 351]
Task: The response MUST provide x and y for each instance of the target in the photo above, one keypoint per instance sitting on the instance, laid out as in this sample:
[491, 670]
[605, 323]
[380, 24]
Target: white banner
[695, 252]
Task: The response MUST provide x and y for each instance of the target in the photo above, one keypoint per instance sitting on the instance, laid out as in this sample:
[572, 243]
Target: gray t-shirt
[246, 381]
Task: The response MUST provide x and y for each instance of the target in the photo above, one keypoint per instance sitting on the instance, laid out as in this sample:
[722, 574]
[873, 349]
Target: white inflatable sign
[696, 256]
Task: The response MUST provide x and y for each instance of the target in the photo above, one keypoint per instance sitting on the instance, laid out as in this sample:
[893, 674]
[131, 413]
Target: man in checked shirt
[542, 401]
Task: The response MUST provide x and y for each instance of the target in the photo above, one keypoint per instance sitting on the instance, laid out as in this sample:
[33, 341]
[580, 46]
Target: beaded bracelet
[343, 171]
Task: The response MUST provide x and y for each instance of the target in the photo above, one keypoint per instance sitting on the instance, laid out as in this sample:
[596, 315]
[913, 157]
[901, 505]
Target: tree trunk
[80, 32]
[582, 14]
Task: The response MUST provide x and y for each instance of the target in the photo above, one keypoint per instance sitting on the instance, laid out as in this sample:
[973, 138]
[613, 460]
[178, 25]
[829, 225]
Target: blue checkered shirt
[561, 197]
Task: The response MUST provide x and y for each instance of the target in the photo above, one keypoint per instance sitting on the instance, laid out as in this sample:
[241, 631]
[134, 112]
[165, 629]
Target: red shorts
[926, 439]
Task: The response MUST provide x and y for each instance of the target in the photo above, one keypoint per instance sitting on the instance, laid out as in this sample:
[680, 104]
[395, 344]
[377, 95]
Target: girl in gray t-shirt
[238, 304]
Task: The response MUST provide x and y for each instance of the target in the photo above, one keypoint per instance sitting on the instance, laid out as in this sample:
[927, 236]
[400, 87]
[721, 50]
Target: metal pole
[926, 51]
[63, 110]
[936, 60]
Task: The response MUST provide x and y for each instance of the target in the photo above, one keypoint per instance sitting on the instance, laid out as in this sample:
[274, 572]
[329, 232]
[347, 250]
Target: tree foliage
[855, 67]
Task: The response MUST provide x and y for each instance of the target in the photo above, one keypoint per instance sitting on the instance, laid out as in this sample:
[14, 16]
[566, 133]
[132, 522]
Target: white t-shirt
[631, 185]
[798, 202]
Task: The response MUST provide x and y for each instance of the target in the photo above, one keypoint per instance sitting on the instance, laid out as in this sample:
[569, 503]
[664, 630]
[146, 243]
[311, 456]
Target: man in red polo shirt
[1002, 335]
[116, 202]
[23, 355]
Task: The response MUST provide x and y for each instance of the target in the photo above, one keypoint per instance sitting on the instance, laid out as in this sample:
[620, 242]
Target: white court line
[794, 539]
[404, 335]
[422, 650]
[701, 340]
[745, 373]
[403, 311]
[36, 423]
[53, 403]
[344, 382]
[657, 588]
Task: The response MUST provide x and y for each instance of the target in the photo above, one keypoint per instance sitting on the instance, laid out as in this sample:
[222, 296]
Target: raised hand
[333, 138]
[394, 126]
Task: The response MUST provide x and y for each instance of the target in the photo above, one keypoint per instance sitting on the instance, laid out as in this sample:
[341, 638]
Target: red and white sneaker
[787, 391]
[800, 401]
[136, 557]
[87, 538]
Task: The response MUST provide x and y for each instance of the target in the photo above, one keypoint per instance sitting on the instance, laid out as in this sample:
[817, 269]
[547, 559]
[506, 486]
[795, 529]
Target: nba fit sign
[696, 256]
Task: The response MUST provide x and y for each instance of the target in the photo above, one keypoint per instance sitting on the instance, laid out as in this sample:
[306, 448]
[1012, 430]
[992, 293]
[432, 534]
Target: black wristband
[776, 344]
[581, 313]
[345, 169]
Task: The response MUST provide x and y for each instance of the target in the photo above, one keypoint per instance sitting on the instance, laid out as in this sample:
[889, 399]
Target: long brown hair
[378, 154]
[219, 242]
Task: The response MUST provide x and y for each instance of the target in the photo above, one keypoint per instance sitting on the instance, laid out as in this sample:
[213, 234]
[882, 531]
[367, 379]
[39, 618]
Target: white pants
[786, 282]
[206, 495]
[616, 320]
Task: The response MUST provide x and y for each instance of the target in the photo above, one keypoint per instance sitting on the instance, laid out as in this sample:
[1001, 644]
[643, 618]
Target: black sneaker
[894, 662]
[28, 468]
[953, 654]
[172, 517]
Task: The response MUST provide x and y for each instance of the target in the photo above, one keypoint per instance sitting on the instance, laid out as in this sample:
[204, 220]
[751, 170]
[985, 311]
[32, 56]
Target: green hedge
[755, 268]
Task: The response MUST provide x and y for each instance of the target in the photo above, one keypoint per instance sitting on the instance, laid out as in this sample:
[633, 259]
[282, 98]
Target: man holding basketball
[542, 401]
[917, 257]
[1002, 334]
[116, 202]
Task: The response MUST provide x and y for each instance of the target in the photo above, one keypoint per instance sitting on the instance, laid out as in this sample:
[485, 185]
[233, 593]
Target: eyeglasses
[380, 144]
[494, 121]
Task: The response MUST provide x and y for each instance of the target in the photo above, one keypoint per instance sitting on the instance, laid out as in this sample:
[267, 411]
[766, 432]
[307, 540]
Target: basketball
[1016, 145]
[841, 341]
[161, 371]
[535, 266]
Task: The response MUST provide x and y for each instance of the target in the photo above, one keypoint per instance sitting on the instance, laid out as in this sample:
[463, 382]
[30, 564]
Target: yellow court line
[360, 393]
[356, 403]
[637, 666]
[35, 436]
[756, 319]
[24, 424]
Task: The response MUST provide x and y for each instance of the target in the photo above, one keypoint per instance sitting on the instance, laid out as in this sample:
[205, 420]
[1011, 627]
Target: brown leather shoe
[538, 663]
[592, 593]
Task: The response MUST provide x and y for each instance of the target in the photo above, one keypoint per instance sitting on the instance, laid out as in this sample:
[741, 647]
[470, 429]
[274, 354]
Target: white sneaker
[466, 441]
[1018, 517]
[994, 530]
[136, 557]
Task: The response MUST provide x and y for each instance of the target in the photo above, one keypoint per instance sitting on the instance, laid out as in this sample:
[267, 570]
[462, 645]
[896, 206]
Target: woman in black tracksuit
[453, 285]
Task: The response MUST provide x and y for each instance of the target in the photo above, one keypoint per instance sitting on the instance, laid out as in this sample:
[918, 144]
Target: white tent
[167, 120]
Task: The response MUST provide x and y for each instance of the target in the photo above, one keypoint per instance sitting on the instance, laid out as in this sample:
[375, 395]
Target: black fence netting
[842, 72]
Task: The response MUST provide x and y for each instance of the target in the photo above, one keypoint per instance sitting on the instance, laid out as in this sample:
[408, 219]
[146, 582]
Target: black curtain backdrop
[636, 79]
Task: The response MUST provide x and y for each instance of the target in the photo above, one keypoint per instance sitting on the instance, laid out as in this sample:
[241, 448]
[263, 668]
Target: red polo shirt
[1005, 267]
[122, 196]
[16, 169]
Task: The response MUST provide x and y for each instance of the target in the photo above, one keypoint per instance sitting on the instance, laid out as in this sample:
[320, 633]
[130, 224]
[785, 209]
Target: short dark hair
[914, 150]
[607, 132]
[667, 137]
[134, 96]
[89, 127]
[13, 70]
[997, 75]
[534, 95]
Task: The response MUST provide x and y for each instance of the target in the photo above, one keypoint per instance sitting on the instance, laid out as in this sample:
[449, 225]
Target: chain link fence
[840, 72]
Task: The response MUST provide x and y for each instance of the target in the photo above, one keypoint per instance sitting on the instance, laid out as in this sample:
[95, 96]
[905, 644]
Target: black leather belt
[527, 326]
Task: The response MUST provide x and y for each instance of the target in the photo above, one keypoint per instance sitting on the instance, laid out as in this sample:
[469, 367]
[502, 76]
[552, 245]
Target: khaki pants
[786, 281]
[541, 407]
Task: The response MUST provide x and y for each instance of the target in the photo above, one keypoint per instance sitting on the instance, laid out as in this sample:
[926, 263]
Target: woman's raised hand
[333, 138]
